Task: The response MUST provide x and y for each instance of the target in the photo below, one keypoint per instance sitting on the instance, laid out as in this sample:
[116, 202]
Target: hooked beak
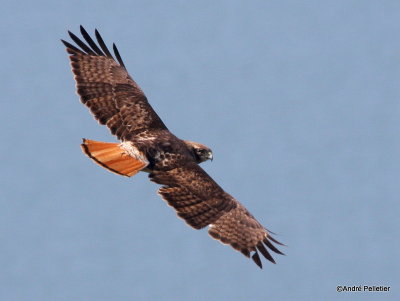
[210, 156]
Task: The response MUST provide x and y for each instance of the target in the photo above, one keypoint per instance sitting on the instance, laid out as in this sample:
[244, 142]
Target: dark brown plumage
[116, 101]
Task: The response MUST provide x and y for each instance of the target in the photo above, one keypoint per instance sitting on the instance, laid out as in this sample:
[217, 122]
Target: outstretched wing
[200, 201]
[106, 88]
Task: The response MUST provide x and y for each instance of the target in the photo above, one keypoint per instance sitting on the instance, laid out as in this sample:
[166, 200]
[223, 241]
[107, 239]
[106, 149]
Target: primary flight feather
[116, 101]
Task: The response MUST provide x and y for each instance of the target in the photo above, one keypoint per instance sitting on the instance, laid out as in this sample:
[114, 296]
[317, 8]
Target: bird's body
[116, 101]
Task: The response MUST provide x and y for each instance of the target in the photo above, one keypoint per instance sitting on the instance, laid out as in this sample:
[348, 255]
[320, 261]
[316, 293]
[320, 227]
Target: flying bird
[146, 144]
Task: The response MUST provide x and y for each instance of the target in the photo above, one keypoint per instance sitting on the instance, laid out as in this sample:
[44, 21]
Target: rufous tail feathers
[117, 158]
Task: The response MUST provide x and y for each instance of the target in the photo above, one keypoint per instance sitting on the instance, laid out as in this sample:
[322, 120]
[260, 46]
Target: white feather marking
[147, 138]
[132, 151]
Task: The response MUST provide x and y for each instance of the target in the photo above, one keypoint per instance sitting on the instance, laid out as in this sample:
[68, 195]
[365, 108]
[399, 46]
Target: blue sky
[299, 102]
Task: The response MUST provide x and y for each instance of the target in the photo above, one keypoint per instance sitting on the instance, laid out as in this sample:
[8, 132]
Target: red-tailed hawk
[115, 100]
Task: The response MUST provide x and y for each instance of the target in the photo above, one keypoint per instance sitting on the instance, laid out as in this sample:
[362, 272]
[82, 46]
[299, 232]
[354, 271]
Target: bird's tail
[113, 156]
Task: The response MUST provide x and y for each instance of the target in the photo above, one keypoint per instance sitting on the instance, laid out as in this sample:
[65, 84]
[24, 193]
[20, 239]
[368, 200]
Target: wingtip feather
[272, 247]
[265, 252]
[256, 259]
[118, 56]
[103, 45]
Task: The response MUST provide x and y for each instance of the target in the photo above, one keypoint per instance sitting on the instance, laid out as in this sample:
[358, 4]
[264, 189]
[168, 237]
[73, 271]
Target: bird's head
[200, 151]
